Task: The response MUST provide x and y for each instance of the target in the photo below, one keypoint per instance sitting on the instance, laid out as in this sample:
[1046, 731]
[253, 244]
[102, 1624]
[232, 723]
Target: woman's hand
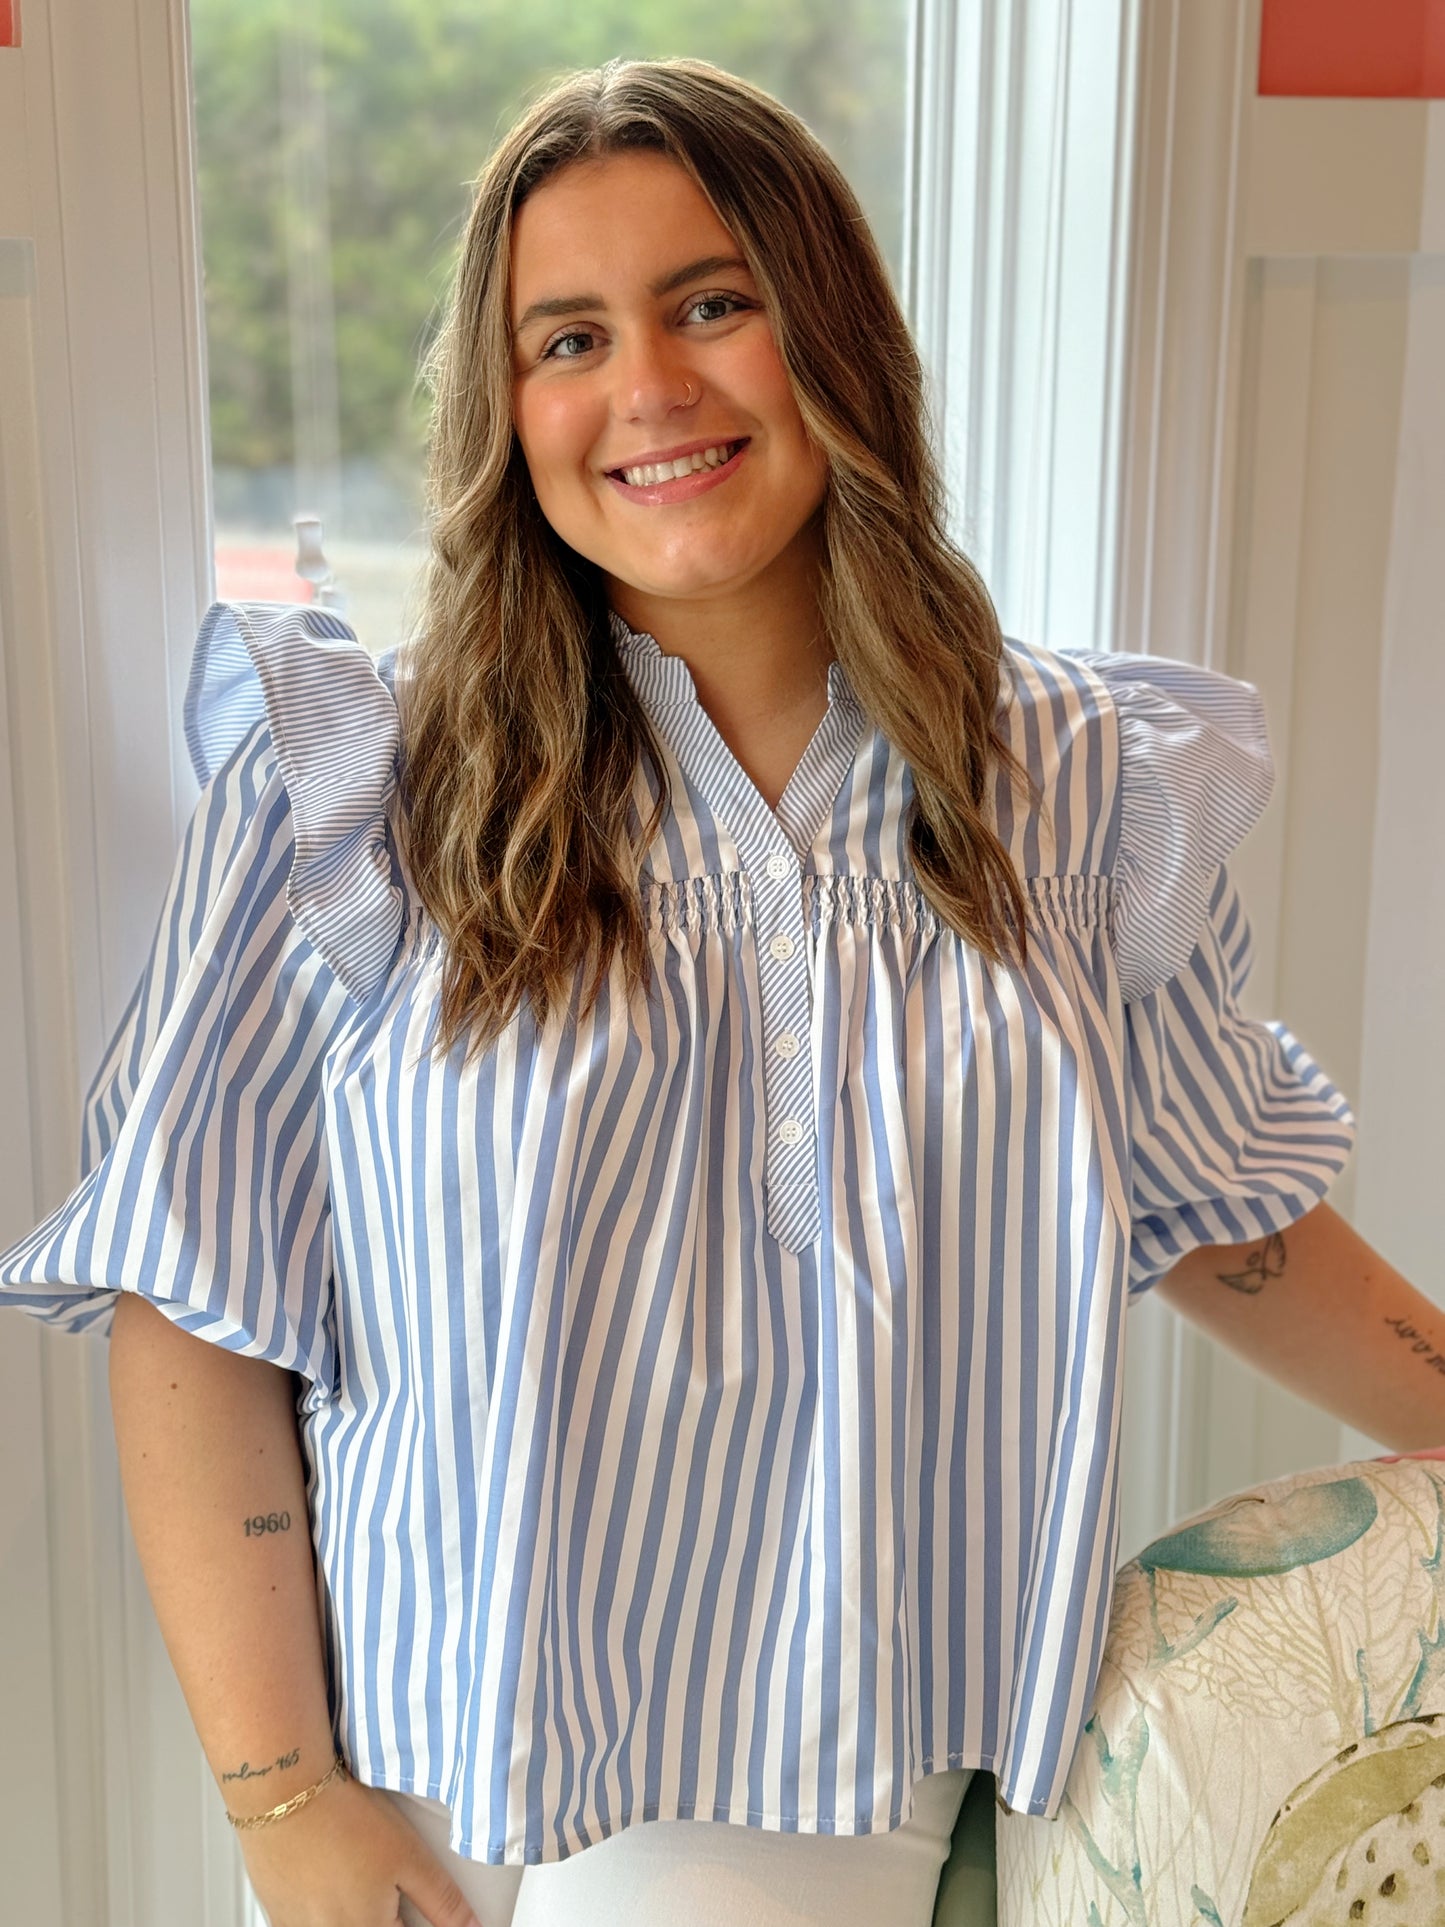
[345, 1860]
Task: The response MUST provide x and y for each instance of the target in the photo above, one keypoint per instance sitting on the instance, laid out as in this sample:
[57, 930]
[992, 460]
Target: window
[336, 141]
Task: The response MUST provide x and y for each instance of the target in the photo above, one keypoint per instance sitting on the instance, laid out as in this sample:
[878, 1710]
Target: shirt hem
[515, 1852]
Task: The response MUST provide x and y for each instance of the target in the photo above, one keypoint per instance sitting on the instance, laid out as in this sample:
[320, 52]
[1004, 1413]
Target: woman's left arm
[1320, 1310]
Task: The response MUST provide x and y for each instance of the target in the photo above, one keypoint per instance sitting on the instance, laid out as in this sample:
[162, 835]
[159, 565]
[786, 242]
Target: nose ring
[688, 398]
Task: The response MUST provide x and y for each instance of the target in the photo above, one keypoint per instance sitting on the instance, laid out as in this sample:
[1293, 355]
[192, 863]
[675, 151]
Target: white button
[781, 947]
[790, 1130]
[780, 865]
[785, 1044]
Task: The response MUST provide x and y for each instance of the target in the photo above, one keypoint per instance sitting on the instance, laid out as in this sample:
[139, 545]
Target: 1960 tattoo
[245, 1771]
[263, 1522]
[1264, 1262]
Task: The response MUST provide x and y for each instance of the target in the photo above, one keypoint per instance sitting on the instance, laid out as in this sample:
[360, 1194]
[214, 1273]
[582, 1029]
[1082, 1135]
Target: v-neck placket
[774, 847]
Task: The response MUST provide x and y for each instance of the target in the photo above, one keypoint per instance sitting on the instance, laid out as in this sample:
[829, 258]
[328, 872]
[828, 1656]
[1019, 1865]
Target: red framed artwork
[1353, 49]
[9, 23]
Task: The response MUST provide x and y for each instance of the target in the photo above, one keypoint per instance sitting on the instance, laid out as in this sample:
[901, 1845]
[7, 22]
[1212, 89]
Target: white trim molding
[1196, 77]
[104, 571]
[1197, 71]
[1016, 263]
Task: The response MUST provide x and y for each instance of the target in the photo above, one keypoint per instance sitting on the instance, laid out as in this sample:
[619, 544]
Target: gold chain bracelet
[289, 1806]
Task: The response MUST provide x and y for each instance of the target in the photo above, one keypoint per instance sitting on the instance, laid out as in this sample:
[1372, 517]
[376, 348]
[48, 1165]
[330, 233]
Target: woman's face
[639, 338]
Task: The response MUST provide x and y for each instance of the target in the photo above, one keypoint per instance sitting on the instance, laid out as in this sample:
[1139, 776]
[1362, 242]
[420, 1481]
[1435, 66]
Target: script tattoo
[245, 1771]
[1265, 1261]
[1423, 1347]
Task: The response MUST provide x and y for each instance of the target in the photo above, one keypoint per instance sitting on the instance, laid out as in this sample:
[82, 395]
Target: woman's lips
[681, 488]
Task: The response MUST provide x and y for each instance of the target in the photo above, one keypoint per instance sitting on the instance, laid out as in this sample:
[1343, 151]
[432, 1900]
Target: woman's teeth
[651, 473]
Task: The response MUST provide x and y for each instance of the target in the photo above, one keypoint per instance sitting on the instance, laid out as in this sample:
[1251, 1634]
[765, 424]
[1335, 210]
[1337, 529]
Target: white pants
[707, 1874]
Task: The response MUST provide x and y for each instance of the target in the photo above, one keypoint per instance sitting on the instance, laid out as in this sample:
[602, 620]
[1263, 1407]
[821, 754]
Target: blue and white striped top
[710, 1409]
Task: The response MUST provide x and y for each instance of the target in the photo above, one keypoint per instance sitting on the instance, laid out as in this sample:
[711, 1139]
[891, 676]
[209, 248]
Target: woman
[694, 1135]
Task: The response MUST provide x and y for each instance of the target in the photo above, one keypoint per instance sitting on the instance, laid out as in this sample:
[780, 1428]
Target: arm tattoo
[1422, 1347]
[245, 1771]
[1265, 1261]
[261, 1523]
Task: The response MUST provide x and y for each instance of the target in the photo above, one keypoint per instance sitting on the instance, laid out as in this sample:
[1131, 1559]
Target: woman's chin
[689, 579]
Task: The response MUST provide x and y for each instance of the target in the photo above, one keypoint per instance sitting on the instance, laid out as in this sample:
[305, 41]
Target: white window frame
[104, 572]
[1016, 264]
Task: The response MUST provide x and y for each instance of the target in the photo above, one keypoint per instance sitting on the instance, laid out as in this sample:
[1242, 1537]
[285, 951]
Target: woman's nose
[654, 379]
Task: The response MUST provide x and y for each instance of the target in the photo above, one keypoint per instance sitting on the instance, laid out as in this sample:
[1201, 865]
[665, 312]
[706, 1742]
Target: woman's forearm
[211, 1464]
[1321, 1311]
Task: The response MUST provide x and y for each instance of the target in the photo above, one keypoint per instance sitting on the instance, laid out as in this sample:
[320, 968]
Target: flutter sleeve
[1235, 1130]
[204, 1168]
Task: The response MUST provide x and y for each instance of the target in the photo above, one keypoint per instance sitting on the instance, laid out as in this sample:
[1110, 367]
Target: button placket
[786, 994]
[767, 841]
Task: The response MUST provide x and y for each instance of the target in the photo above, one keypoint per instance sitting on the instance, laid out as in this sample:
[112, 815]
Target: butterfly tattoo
[1266, 1261]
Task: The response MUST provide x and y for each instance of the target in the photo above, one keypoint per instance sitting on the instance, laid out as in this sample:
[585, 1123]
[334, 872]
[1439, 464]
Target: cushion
[1267, 1743]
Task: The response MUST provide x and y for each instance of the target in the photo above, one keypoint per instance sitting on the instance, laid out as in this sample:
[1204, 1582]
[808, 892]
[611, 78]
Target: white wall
[1401, 1160]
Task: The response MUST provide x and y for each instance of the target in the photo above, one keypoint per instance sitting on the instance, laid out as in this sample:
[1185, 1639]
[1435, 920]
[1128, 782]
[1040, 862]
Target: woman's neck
[756, 653]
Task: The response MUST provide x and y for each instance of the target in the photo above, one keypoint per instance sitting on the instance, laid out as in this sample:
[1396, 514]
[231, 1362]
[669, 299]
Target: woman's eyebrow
[559, 304]
[709, 264]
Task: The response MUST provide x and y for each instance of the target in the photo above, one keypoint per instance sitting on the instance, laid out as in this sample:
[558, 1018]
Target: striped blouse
[710, 1409]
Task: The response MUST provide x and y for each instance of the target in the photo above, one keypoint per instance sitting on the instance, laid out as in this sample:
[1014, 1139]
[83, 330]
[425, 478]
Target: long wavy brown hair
[521, 733]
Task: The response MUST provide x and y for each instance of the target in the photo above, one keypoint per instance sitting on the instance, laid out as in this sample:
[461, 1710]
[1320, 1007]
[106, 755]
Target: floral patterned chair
[1267, 1743]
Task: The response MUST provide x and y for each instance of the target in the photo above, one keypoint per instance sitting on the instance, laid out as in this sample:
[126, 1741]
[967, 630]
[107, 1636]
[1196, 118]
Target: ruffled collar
[662, 680]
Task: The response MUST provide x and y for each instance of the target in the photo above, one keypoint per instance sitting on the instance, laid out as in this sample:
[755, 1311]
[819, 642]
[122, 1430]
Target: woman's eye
[722, 304]
[558, 350]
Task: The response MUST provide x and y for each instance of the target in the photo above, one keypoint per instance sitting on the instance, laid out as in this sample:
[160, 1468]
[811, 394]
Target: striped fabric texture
[710, 1409]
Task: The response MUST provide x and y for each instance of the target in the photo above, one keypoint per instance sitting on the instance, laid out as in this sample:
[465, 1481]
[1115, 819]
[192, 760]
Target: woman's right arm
[211, 1464]
[210, 1461]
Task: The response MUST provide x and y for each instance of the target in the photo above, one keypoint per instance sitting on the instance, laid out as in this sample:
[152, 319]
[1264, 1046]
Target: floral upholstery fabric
[1267, 1743]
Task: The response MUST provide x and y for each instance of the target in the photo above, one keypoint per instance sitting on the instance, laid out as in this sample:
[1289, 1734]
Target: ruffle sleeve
[204, 1169]
[1235, 1130]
